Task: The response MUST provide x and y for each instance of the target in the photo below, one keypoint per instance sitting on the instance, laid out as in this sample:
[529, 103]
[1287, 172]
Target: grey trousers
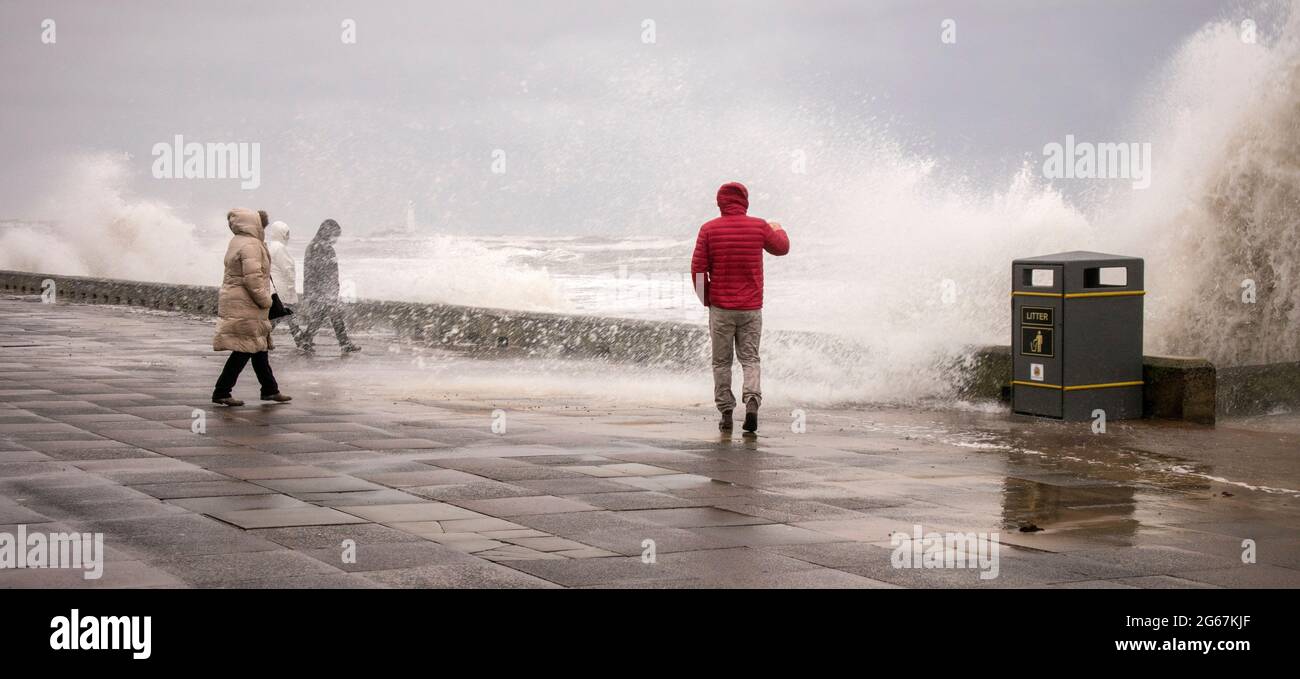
[315, 316]
[738, 333]
[293, 324]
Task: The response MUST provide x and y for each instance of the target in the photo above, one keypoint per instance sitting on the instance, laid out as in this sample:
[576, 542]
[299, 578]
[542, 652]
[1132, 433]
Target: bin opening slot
[1038, 278]
[1105, 277]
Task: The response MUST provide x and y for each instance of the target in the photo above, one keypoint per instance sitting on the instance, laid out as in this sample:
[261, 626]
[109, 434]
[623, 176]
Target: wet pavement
[377, 476]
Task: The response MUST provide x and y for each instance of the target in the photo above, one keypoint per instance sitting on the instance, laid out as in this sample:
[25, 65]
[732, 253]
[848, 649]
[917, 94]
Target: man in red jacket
[728, 272]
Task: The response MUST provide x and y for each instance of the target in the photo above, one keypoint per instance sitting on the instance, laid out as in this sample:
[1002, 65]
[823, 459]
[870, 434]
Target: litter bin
[1076, 336]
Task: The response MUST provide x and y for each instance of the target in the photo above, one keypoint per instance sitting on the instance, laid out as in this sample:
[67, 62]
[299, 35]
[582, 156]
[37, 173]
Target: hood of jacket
[328, 232]
[277, 232]
[733, 198]
[245, 222]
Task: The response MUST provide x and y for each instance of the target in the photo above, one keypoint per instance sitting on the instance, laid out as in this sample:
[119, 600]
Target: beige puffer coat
[245, 296]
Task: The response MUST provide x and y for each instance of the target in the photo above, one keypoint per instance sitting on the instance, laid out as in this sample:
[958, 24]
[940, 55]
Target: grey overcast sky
[601, 130]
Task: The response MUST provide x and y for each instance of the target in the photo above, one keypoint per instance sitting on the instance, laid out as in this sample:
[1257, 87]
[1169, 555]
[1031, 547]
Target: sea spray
[893, 249]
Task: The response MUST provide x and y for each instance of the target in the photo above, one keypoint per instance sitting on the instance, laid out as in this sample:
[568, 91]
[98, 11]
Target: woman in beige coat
[243, 328]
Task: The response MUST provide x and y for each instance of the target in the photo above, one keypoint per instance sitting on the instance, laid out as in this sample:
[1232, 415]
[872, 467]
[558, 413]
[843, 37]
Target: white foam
[874, 254]
[95, 228]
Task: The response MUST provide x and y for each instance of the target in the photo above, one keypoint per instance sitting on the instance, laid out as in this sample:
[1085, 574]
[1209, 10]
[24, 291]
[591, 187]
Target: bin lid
[1082, 275]
[1075, 256]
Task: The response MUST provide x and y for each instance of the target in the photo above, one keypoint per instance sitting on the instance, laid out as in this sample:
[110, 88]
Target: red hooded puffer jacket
[729, 253]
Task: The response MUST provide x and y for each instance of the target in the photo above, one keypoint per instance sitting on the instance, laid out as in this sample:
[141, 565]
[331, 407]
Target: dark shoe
[228, 401]
[307, 349]
[725, 423]
[278, 398]
[350, 348]
[751, 416]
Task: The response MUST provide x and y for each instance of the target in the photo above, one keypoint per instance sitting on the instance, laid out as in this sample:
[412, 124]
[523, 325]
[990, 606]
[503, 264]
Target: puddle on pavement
[1048, 506]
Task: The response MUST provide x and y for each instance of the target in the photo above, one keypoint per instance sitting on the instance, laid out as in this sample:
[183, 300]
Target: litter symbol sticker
[1036, 342]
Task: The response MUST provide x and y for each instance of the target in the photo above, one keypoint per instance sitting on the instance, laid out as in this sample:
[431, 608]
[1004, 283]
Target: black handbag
[278, 309]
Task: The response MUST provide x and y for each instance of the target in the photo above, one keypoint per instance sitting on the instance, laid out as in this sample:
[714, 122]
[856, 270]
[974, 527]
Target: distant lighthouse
[410, 216]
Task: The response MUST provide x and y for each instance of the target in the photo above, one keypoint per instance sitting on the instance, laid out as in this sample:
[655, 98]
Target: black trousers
[235, 365]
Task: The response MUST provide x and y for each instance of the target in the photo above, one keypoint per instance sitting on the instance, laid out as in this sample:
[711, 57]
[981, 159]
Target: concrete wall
[985, 373]
[1177, 387]
[196, 299]
[470, 329]
[1259, 389]
[466, 328]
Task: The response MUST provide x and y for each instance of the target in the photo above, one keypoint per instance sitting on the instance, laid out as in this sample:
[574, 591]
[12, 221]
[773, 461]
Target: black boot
[725, 423]
[751, 415]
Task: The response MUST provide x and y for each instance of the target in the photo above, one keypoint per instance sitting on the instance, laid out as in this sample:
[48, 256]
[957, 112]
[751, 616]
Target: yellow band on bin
[1116, 293]
[1078, 295]
[1079, 387]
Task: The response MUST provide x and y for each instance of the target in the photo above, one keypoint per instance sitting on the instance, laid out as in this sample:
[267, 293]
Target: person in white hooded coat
[284, 270]
[284, 275]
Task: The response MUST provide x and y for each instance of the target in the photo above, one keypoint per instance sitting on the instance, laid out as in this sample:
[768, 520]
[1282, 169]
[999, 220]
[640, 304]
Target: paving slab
[403, 513]
[692, 517]
[116, 575]
[479, 490]
[332, 536]
[318, 484]
[231, 503]
[210, 570]
[523, 506]
[386, 556]
[282, 517]
[386, 496]
[585, 572]
[156, 537]
[427, 477]
[167, 491]
[288, 471]
[459, 576]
